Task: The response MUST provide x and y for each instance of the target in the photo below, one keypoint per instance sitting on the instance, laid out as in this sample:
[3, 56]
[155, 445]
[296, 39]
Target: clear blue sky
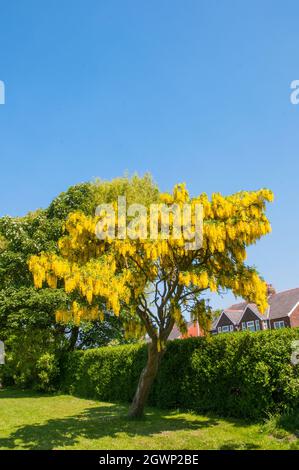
[195, 91]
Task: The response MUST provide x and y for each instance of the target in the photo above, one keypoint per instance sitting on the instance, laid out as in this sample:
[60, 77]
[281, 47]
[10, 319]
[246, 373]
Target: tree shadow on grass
[236, 445]
[108, 420]
[96, 423]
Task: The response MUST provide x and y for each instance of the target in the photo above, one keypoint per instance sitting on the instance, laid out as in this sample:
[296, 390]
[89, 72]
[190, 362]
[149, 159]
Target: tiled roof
[175, 333]
[234, 315]
[280, 305]
[240, 306]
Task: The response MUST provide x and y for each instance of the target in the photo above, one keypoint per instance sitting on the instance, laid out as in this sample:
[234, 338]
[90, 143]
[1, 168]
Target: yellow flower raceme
[118, 271]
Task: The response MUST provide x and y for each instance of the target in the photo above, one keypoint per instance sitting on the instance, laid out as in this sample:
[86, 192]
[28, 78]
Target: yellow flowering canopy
[155, 282]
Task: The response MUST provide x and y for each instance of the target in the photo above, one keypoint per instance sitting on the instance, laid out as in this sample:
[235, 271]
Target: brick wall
[286, 321]
[294, 318]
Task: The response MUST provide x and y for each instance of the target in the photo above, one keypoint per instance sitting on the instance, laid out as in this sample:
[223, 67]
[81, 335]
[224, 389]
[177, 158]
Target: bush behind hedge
[240, 374]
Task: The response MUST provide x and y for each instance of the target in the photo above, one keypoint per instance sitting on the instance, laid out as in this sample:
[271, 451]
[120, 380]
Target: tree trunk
[146, 380]
[73, 338]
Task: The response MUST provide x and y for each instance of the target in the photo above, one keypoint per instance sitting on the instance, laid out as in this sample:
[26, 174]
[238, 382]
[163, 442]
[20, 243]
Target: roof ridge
[285, 291]
[233, 310]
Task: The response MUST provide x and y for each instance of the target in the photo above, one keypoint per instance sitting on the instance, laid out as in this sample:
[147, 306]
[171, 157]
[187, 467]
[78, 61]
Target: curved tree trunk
[73, 338]
[146, 380]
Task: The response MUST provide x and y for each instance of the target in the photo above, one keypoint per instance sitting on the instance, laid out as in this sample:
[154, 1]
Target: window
[225, 329]
[243, 325]
[265, 325]
[257, 325]
[279, 324]
[250, 326]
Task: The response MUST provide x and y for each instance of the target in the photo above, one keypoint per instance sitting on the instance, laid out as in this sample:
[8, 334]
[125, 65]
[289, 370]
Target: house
[193, 329]
[283, 311]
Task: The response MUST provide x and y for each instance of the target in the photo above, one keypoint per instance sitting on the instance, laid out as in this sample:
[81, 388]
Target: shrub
[108, 373]
[239, 374]
[47, 371]
[31, 361]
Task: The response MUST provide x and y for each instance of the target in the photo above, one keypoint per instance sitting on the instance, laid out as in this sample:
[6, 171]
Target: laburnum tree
[153, 284]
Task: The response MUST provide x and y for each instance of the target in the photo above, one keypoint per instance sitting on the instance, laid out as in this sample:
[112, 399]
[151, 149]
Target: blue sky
[194, 91]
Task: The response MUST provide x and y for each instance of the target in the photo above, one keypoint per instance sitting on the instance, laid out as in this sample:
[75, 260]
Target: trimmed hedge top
[238, 374]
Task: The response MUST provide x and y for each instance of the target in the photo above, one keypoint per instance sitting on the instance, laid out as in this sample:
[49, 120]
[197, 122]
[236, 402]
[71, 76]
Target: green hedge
[239, 374]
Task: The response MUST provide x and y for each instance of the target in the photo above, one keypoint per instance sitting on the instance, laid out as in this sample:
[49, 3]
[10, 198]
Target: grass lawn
[33, 421]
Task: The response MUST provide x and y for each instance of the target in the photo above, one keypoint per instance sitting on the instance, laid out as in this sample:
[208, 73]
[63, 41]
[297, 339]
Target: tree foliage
[24, 310]
[153, 284]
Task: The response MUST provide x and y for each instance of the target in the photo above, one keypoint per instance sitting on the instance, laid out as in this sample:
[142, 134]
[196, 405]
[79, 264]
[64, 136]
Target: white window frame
[219, 329]
[279, 324]
[225, 329]
[249, 325]
[257, 325]
[231, 328]
[243, 325]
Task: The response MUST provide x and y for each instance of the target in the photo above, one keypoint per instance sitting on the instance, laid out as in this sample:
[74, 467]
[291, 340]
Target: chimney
[270, 290]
